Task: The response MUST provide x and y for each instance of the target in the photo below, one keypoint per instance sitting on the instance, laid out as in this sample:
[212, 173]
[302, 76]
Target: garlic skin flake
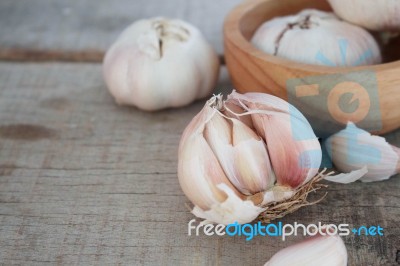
[158, 63]
[371, 14]
[229, 169]
[328, 250]
[319, 38]
[353, 148]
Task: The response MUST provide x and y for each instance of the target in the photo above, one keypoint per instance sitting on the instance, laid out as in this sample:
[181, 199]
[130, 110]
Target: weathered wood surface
[84, 181]
[82, 30]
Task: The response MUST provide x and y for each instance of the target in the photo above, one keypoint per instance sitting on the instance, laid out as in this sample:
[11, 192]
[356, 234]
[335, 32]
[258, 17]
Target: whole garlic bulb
[158, 63]
[353, 148]
[251, 147]
[370, 14]
[317, 37]
[327, 250]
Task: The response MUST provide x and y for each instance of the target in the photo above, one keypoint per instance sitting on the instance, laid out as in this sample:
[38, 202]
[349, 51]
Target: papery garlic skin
[328, 250]
[294, 149]
[158, 63]
[226, 167]
[370, 14]
[354, 148]
[317, 37]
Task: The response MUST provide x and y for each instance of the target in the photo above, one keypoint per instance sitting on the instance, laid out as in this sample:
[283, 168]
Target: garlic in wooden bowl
[238, 158]
[370, 14]
[319, 38]
[158, 63]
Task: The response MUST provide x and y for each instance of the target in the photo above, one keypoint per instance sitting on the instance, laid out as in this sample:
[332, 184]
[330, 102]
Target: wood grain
[82, 30]
[254, 70]
[84, 181]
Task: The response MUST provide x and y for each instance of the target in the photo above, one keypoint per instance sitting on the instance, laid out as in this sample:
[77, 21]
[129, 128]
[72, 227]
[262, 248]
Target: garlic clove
[199, 171]
[327, 250]
[251, 160]
[295, 154]
[353, 148]
[241, 153]
[328, 40]
[218, 134]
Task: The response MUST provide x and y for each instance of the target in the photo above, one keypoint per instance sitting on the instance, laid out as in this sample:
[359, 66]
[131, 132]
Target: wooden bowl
[317, 91]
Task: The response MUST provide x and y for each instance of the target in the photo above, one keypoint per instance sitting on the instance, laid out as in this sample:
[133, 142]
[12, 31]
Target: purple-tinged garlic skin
[159, 63]
[377, 15]
[318, 38]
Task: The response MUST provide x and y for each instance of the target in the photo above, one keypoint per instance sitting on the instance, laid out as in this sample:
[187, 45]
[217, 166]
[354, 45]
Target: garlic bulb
[227, 162]
[316, 37]
[354, 148]
[159, 63]
[370, 14]
[327, 250]
[239, 156]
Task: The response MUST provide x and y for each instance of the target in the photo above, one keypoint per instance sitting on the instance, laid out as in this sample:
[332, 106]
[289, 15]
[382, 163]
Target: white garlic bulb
[317, 37]
[237, 155]
[327, 250]
[354, 148]
[159, 63]
[369, 14]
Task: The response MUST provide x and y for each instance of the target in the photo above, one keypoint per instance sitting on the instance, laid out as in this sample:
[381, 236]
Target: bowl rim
[234, 34]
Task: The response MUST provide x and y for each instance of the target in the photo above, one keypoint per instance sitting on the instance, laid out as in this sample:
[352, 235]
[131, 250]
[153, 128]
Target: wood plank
[83, 181]
[82, 30]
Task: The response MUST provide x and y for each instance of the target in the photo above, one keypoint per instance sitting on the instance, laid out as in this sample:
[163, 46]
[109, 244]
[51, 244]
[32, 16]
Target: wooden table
[84, 181]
